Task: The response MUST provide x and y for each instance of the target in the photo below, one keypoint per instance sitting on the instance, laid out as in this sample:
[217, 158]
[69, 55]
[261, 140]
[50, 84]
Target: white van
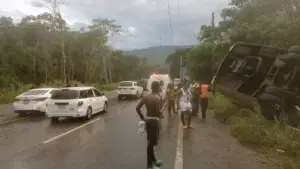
[158, 77]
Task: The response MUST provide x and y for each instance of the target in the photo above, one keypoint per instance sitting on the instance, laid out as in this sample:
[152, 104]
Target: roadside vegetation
[277, 141]
[7, 95]
[267, 22]
[44, 51]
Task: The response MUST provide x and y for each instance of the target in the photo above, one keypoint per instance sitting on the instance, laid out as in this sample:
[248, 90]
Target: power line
[178, 10]
[170, 22]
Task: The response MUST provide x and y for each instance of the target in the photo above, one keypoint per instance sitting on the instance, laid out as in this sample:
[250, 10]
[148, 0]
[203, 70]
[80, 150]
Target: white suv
[129, 88]
[76, 102]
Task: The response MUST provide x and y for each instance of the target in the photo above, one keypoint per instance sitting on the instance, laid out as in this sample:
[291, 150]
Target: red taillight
[80, 103]
[41, 99]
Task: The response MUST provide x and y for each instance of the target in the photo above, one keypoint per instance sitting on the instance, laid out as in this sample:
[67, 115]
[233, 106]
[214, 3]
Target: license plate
[62, 106]
[25, 101]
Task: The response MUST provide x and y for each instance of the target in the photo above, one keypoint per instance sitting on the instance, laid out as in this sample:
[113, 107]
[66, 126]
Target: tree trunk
[110, 76]
[73, 70]
[46, 72]
[104, 69]
[63, 58]
[34, 67]
[46, 65]
[34, 59]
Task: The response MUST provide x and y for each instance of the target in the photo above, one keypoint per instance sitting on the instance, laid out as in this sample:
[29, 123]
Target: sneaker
[158, 163]
[190, 127]
[185, 126]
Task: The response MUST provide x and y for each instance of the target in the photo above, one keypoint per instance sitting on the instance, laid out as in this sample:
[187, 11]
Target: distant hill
[155, 55]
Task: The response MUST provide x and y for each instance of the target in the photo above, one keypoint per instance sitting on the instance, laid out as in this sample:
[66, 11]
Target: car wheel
[119, 97]
[271, 106]
[105, 107]
[54, 119]
[89, 113]
[22, 114]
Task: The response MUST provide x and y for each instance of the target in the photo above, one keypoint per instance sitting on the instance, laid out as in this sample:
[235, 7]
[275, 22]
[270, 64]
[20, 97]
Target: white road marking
[179, 148]
[70, 131]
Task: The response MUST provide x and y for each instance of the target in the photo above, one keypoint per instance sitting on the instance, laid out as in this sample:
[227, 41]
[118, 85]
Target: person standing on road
[162, 94]
[152, 103]
[204, 89]
[177, 92]
[185, 97]
[195, 98]
[170, 97]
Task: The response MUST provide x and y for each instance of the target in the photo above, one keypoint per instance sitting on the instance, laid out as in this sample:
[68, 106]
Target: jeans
[189, 116]
[203, 104]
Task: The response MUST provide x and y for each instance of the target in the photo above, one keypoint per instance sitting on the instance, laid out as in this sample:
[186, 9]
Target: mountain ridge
[156, 55]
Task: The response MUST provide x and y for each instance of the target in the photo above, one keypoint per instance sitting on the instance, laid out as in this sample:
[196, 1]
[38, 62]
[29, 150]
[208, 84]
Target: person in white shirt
[185, 106]
[163, 90]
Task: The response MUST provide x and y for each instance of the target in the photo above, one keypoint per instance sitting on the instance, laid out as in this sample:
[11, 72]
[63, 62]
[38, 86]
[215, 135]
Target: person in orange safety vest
[204, 92]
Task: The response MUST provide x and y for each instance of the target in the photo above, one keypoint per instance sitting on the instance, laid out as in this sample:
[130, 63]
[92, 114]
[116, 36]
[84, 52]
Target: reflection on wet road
[108, 141]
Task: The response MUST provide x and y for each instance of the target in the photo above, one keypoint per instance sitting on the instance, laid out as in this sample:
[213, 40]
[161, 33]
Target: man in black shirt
[152, 103]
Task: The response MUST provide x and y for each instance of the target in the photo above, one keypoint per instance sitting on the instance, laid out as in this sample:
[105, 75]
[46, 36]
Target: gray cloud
[148, 17]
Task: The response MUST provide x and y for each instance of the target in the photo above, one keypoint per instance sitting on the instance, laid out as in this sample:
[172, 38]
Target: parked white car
[76, 102]
[33, 100]
[129, 88]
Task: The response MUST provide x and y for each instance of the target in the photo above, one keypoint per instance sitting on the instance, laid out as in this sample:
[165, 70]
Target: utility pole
[213, 40]
[180, 68]
[212, 52]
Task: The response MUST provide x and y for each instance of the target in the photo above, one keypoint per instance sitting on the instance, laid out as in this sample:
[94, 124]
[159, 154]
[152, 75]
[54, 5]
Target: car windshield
[36, 92]
[65, 94]
[125, 84]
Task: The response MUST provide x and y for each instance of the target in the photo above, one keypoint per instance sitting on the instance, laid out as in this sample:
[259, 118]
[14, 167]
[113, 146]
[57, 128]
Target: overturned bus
[263, 78]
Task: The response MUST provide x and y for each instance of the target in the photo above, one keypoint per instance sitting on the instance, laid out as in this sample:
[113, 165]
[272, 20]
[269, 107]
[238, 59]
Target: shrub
[253, 130]
[106, 87]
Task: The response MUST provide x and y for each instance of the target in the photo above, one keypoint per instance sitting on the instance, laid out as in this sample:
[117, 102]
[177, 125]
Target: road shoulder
[211, 146]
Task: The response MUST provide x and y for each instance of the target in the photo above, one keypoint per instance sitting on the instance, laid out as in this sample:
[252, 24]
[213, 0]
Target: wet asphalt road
[110, 141]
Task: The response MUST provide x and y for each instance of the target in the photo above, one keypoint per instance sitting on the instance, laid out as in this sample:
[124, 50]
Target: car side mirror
[102, 94]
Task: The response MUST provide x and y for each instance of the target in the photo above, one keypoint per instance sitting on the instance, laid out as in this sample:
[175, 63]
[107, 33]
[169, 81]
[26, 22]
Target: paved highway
[110, 141]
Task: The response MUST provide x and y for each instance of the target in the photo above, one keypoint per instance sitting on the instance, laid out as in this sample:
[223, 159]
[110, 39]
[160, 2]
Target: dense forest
[268, 22]
[42, 49]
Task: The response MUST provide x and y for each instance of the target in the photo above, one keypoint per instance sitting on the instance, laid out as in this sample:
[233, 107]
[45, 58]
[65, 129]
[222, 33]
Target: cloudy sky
[145, 23]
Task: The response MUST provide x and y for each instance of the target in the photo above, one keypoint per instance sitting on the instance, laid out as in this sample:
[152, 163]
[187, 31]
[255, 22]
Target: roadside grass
[276, 140]
[106, 87]
[8, 95]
